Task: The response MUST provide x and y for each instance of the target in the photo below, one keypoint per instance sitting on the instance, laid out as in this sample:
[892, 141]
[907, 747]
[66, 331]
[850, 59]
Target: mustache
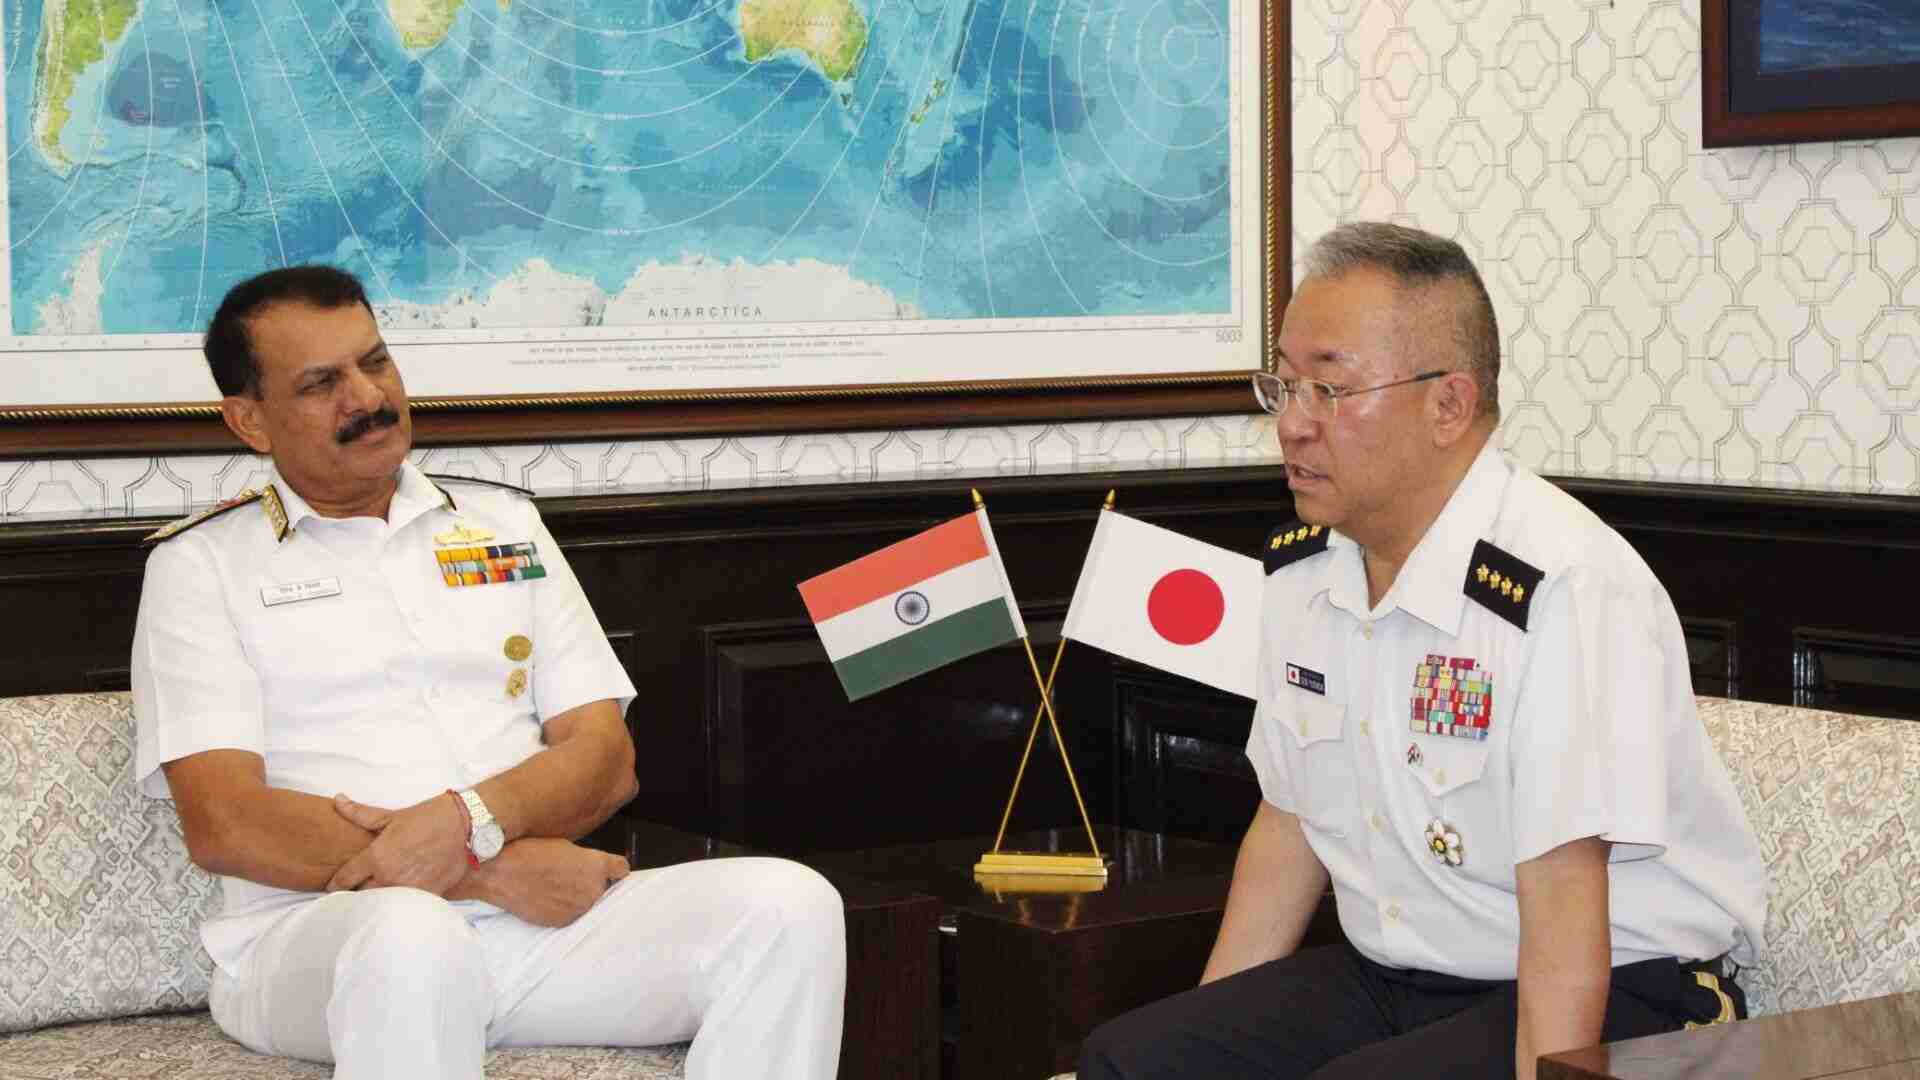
[382, 417]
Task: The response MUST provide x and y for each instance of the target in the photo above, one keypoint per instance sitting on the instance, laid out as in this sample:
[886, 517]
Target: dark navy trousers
[1332, 1014]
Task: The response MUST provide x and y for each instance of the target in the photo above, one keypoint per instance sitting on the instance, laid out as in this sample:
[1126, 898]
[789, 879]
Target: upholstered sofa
[1833, 800]
[102, 974]
[101, 970]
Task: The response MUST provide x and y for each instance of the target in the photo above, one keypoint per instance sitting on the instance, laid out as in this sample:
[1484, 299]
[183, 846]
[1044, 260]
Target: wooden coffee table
[1876, 1039]
[1026, 976]
[892, 1029]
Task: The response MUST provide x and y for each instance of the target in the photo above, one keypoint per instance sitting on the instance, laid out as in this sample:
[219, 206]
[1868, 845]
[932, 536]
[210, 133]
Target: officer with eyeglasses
[1475, 722]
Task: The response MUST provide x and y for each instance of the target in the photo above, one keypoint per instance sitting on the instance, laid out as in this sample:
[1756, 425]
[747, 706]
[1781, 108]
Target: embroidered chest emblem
[1453, 697]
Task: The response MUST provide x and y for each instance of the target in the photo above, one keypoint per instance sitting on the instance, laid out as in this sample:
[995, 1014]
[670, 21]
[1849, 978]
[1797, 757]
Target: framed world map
[614, 217]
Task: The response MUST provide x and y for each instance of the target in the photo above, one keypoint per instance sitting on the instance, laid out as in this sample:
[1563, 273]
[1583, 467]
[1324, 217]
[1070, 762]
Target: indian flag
[908, 608]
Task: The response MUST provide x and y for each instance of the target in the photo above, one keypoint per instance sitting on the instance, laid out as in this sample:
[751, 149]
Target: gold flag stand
[1034, 871]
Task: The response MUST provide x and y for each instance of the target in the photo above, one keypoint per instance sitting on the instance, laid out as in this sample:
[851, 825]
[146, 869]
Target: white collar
[1430, 583]
[413, 495]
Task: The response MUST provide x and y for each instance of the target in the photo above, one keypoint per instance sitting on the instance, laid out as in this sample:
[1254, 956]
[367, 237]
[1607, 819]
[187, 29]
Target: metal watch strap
[467, 816]
[480, 820]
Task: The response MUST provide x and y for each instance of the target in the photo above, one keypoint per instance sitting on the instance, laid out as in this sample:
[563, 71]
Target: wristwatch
[484, 836]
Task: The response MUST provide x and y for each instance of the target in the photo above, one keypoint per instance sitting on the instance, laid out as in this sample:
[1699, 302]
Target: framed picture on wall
[1782, 71]
[652, 219]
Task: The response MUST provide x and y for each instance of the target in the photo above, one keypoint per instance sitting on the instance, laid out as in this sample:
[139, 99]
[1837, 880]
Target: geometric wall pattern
[173, 485]
[1747, 316]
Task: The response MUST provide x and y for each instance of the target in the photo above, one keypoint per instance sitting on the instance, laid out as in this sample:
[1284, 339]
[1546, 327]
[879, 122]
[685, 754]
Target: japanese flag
[1159, 598]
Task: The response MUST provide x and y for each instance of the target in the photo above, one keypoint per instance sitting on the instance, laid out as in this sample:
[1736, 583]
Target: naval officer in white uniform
[385, 711]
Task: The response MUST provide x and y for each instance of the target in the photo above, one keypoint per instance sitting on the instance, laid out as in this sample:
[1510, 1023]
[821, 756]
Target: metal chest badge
[1444, 841]
[1452, 696]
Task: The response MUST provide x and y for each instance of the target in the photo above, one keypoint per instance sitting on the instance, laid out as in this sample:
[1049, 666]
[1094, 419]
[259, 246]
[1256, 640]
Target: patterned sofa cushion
[1832, 799]
[99, 909]
[98, 902]
[192, 1046]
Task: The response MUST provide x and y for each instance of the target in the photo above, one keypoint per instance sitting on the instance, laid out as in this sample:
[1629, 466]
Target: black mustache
[382, 417]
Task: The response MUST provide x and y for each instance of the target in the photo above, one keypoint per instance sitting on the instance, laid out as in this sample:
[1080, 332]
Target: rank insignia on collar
[1502, 583]
[276, 515]
[1292, 542]
[276, 511]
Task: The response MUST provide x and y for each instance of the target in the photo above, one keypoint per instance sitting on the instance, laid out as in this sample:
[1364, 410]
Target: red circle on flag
[1186, 607]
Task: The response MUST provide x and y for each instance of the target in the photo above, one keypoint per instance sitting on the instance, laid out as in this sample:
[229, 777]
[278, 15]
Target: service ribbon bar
[1452, 696]
[485, 565]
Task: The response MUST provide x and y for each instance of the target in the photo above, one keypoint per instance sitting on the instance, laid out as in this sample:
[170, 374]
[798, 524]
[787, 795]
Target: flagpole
[1046, 710]
[1046, 703]
[1021, 772]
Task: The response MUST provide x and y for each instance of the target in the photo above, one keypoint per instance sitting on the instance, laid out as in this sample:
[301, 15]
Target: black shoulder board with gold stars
[1290, 543]
[452, 479]
[173, 529]
[1502, 583]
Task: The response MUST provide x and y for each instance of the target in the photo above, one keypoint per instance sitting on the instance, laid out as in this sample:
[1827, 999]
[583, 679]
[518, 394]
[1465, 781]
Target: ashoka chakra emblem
[911, 607]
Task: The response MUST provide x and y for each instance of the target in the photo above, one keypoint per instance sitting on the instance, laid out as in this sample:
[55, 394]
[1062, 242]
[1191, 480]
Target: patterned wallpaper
[1744, 316]
[1728, 317]
[171, 485]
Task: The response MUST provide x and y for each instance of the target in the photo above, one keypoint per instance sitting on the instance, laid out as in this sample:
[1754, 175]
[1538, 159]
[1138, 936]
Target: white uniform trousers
[746, 957]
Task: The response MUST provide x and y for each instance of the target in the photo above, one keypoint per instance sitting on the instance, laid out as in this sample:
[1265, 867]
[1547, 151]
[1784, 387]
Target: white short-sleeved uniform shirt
[336, 650]
[1516, 722]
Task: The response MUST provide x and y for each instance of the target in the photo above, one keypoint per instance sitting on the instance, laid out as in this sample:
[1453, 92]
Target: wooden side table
[1026, 976]
[1875, 1039]
[1034, 981]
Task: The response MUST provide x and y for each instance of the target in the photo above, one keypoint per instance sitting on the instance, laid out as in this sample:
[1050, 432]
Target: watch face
[488, 840]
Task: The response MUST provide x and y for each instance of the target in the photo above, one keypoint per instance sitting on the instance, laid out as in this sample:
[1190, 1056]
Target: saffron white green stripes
[914, 606]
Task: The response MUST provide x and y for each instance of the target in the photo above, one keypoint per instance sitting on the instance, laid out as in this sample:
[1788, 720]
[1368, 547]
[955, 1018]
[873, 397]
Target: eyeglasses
[1319, 399]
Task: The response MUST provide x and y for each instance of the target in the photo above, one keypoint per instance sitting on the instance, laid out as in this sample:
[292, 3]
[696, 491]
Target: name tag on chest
[293, 592]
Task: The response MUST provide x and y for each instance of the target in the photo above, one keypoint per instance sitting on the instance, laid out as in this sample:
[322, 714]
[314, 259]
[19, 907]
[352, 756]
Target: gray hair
[1424, 265]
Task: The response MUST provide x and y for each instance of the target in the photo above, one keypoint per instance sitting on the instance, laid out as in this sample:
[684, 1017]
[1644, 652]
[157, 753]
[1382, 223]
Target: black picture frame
[1742, 105]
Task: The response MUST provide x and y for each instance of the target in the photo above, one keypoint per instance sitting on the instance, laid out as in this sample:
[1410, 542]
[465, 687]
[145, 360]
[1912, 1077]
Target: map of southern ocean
[626, 163]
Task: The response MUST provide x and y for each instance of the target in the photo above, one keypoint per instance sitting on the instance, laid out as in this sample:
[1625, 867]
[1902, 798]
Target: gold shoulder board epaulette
[173, 529]
[450, 478]
[1502, 583]
[1292, 542]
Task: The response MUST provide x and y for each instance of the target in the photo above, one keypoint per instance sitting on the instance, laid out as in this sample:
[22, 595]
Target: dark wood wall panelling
[1795, 597]
[743, 730]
